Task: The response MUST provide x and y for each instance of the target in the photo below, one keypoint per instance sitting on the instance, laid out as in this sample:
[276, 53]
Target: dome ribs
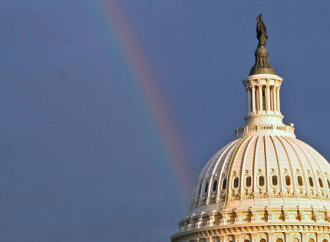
[224, 170]
[213, 176]
[302, 168]
[310, 150]
[243, 165]
[220, 178]
[324, 162]
[284, 164]
[273, 168]
[290, 191]
[229, 190]
[254, 165]
[260, 163]
[266, 167]
[316, 188]
[279, 166]
[202, 178]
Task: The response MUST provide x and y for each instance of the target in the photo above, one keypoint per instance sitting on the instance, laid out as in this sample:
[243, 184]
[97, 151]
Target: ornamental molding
[274, 231]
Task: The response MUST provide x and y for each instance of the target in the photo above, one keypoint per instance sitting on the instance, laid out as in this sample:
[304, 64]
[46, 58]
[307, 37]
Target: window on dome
[300, 181]
[311, 183]
[321, 182]
[206, 187]
[215, 184]
[287, 180]
[200, 189]
[224, 184]
[248, 181]
[261, 181]
[274, 180]
[236, 182]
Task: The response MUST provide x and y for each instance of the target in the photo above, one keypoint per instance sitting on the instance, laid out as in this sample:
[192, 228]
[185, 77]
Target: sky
[110, 108]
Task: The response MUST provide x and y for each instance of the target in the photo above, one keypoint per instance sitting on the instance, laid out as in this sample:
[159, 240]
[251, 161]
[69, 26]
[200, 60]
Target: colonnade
[263, 99]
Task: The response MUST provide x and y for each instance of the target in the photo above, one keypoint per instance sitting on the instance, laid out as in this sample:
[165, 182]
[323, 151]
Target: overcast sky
[87, 153]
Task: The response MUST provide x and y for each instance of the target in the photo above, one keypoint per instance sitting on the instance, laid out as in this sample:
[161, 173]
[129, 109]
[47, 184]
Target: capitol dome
[266, 185]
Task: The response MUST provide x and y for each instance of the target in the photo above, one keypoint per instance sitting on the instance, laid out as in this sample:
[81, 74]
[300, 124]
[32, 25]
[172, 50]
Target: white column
[253, 100]
[267, 98]
[278, 99]
[274, 101]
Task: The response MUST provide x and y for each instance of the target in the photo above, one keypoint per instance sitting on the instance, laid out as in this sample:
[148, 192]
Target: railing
[255, 128]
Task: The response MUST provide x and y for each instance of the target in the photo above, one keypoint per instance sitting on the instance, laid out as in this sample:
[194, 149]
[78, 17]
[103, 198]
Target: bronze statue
[261, 65]
[261, 31]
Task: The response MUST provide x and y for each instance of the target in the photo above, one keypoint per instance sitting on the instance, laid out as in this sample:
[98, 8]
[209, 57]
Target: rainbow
[151, 103]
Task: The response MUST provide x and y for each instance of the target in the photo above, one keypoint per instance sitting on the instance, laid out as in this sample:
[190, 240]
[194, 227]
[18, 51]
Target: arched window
[311, 183]
[300, 181]
[296, 240]
[279, 240]
[325, 240]
[274, 180]
[287, 180]
[328, 183]
[206, 187]
[215, 184]
[311, 240]
[224, 184]
[236, 180]
[261, 181]
[200, 189]
[248, 181]
[321, 182]
[263, 240]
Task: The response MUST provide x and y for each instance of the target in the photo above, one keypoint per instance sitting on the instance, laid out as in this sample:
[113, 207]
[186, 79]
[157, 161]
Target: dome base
[264, 232]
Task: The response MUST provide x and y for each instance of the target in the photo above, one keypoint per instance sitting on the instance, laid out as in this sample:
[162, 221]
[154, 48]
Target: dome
[276, 172]
[265, 185]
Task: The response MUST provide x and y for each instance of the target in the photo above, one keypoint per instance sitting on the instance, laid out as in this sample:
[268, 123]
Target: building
[266, 185]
